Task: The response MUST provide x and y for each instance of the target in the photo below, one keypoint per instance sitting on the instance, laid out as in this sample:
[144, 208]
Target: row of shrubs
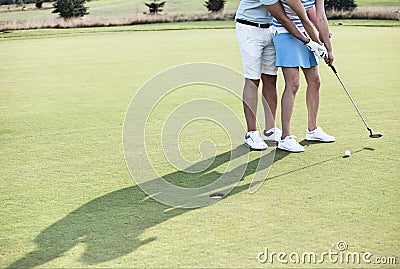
[145, 19]
[155, 6]
[76, 8]
[365, 13]
[101, 22]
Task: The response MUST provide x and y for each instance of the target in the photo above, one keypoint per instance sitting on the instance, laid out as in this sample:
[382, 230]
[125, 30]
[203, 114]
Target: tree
[70, 8]
[215, 5]
[340, 4]
[155, 7]
[39, 4]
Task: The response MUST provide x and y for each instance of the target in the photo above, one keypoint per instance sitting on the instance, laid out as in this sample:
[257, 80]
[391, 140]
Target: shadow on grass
[110, 226]
[280, 154]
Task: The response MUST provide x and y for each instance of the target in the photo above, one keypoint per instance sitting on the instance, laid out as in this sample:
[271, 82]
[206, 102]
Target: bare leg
[312, 95]
[291, 76]
[270, 99]
[250, 99]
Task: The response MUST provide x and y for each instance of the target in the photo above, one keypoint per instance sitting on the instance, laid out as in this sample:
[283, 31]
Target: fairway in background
[375, 3]
[119, 9]
[114, 9]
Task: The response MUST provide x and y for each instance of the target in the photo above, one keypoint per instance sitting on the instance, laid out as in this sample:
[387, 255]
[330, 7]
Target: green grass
[375, 3]
[41, 33]
[366, 23]
[68, 200]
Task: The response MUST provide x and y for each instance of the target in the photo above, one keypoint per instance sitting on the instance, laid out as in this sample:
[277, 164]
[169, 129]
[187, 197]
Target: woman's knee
[292, 86]
[315, 83]
[313, 78]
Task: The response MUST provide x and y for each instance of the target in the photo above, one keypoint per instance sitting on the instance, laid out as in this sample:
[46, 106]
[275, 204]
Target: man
[254, 33]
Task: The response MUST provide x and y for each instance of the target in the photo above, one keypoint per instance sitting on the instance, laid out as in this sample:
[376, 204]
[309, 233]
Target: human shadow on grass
[112, 225]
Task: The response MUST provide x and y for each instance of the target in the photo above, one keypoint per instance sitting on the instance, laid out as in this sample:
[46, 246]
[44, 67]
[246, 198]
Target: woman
[292, 55]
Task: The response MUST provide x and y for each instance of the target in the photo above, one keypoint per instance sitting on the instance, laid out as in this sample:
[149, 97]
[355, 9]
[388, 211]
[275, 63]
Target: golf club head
[373, 135]
[376, 135]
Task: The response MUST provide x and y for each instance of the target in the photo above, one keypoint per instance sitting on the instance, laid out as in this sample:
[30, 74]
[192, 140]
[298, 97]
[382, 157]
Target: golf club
[359, 113]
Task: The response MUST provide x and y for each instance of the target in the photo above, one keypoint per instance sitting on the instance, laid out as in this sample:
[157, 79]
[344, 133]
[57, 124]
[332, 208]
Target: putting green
[69, 201]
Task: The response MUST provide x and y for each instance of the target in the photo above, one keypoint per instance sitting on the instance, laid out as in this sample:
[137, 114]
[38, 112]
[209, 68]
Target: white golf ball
[347, 153]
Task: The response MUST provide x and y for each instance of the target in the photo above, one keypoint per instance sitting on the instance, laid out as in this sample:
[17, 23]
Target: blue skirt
[291, 52]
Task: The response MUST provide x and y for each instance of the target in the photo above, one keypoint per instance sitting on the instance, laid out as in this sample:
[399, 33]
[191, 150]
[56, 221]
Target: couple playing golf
[290, 34]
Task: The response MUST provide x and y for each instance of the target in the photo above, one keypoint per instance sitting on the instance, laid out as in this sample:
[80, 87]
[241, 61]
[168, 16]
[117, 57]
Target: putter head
[373, 135]
[376, 135]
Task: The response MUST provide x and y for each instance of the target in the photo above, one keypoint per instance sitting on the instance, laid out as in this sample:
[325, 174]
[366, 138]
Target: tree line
[76, 8]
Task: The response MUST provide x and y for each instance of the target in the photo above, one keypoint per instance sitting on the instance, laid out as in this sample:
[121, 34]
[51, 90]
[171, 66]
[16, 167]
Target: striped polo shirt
[292, 15]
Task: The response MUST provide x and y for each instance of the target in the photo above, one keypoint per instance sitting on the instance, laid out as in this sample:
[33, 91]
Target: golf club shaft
[351, 98]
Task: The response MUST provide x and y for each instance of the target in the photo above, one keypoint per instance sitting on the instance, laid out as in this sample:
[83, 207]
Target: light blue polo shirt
[254, 11]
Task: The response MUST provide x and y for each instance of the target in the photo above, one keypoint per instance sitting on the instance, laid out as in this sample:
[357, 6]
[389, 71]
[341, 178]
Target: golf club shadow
[357, 151]
[112, 225]
[285, 153]
[366, 148]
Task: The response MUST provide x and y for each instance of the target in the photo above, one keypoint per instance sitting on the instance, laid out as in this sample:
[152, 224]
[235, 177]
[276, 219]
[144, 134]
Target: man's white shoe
[254, 141]
[319, 135]
[273, 135]
[289, 143]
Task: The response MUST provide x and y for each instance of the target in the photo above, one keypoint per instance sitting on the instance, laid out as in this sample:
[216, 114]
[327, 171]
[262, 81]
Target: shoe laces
[256, 137]
[291, 139]
[318, 129]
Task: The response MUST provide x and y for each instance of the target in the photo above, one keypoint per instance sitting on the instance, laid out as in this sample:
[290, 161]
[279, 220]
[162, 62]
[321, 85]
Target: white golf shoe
[273, 135]
[254, 141]
[319, 135]
[289, 143]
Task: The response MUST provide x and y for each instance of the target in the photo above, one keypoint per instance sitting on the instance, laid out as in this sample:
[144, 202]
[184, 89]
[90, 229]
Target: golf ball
[347, 153]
